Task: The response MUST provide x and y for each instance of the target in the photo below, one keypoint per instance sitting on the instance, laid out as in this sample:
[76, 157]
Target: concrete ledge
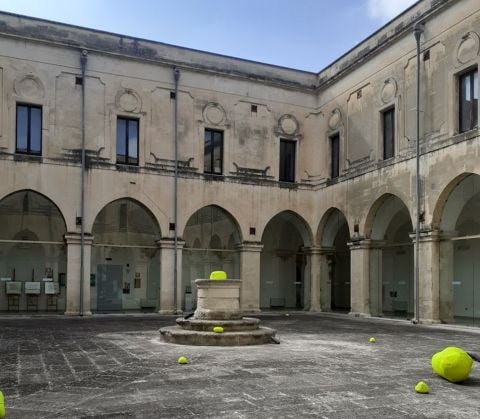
[244, 324]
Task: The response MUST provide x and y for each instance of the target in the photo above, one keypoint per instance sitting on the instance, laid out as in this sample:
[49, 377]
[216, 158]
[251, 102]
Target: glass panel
[217, 152]
[287, 161]
[22, 129]
[335, 156]
[465, 104]
[125, 222]
[28, 215]
[388, 134]
[207, 152]
[475, 100]
[133, 141]
[35, 130]
[121, 140]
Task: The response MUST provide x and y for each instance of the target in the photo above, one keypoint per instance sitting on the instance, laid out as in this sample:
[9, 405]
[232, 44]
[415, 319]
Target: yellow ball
[218, 329]
[422, 387]
[2, 406]
[453, 364]
[218, 275]
[182, 360]
[372, 340]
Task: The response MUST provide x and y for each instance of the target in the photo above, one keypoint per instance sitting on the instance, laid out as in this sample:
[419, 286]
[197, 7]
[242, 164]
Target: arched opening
[284, 283]
[335, 236]
[125, 259]
[33, 258]
[211, 239]
[391, 261]
[461, 222]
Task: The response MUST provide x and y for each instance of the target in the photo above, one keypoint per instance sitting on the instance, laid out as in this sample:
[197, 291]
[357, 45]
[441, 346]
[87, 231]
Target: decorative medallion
[288, 124]
[129, 101]
[214, 114]
[468, 48]
[389, 90]
[334, 119]
[29, 86]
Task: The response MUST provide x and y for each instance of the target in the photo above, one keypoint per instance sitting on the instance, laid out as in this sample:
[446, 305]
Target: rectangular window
[213, 152]
[388, 133]
[335, 156]
[29, 130]
[287, 161]
[127, 141]
[468, 100]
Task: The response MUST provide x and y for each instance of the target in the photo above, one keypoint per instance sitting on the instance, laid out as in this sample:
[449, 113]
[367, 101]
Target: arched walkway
[391, 258]
[284, 282]
[33, 260]
[211, 239]
[125, 264]
[459, 252]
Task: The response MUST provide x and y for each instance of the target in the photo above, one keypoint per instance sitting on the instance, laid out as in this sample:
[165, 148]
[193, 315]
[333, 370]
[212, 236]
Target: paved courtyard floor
[116, 367]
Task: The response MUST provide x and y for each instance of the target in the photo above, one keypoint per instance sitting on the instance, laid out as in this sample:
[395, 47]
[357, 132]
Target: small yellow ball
[182, 360]
[218, 329]
[372, 340]
[422, 387]
[2, 406]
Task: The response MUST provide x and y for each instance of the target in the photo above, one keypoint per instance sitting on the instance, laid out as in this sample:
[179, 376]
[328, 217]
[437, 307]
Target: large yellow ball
[2, 406]
[218, 275]
[453, 364]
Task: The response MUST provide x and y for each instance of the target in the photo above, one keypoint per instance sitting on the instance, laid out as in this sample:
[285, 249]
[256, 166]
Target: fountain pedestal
[218, 304]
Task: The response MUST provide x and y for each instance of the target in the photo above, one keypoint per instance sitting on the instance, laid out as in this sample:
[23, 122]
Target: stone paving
[324, 367]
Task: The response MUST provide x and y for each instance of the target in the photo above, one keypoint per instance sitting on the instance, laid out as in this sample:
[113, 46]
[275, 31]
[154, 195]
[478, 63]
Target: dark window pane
[207, 152]
[35, 130]
[121, 139]
[335, 148]
[287, 161]
[217, 152]
[133, 139]
[388, 134]
[475, 100]
[22, 129]
[213, 152]
[468, 101]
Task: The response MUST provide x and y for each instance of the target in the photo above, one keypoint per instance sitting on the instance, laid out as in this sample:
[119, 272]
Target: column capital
[430, 236]
[167, 243]
[72, 238]
[318, 250]
[248, 246]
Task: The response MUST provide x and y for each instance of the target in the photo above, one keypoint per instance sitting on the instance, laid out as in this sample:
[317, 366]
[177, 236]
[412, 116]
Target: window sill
[287, 185]
[28, 157]
[121, 167]
[214, 176]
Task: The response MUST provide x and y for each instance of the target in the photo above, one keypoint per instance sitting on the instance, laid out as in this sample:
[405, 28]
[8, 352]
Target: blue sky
[302, 34]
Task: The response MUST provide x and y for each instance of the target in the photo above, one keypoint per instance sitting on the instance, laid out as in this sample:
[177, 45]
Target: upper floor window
[388, 119]
[29, 130]
[213, 152]
[127, 141]
[468, 100]
[334, 156]
[287, 161]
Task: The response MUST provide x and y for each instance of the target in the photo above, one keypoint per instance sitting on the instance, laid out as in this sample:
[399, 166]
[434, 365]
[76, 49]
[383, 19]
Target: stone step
[175, 334]
[243, 324]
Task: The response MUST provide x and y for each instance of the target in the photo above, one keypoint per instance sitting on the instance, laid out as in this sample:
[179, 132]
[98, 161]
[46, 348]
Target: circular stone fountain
[218, 304]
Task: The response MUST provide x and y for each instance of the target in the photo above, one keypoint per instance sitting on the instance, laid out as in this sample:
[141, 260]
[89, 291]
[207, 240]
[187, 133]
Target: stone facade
[312, 242]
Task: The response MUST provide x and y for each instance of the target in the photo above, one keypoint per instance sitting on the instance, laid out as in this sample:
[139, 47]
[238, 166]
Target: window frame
[280, 178]
[29, 107]
[211, 152]
[127, 156]
[384, 113]
[334, 138]
[470, 73]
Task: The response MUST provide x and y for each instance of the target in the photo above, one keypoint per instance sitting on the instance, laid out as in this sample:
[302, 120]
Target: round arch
[298, 221]
[332, 220]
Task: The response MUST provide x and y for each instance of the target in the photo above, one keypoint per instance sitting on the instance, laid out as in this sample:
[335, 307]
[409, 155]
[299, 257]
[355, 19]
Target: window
[127, 141]
[213, 152]
[287, 161]
[29, 129]
[334, 156]
[468, 100]
[388, 133]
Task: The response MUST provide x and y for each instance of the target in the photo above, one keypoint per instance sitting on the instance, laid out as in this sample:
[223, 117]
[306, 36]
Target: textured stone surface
[117, 367]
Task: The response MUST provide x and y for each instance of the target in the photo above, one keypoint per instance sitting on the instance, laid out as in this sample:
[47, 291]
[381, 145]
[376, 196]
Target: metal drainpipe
[83, 64]
[176, 76]
[417, 31]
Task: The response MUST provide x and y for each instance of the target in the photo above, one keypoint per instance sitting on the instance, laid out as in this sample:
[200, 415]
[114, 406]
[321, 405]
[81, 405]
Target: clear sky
[302, 34]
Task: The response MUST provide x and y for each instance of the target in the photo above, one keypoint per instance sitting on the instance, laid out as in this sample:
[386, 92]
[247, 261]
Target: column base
[77, 313]
[361, 315]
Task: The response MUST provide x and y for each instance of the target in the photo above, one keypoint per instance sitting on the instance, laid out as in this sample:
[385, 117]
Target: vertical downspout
[417, 31]
[83, 64]
[176, 76]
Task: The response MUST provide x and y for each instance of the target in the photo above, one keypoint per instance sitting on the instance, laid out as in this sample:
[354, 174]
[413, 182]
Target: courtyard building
[130, 168]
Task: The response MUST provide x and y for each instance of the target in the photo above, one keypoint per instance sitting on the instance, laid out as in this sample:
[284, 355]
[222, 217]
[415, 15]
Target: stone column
[429, 261]
[73, 273]
[360, 277]
[167, 257]
[320, 282]
[250, 275]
